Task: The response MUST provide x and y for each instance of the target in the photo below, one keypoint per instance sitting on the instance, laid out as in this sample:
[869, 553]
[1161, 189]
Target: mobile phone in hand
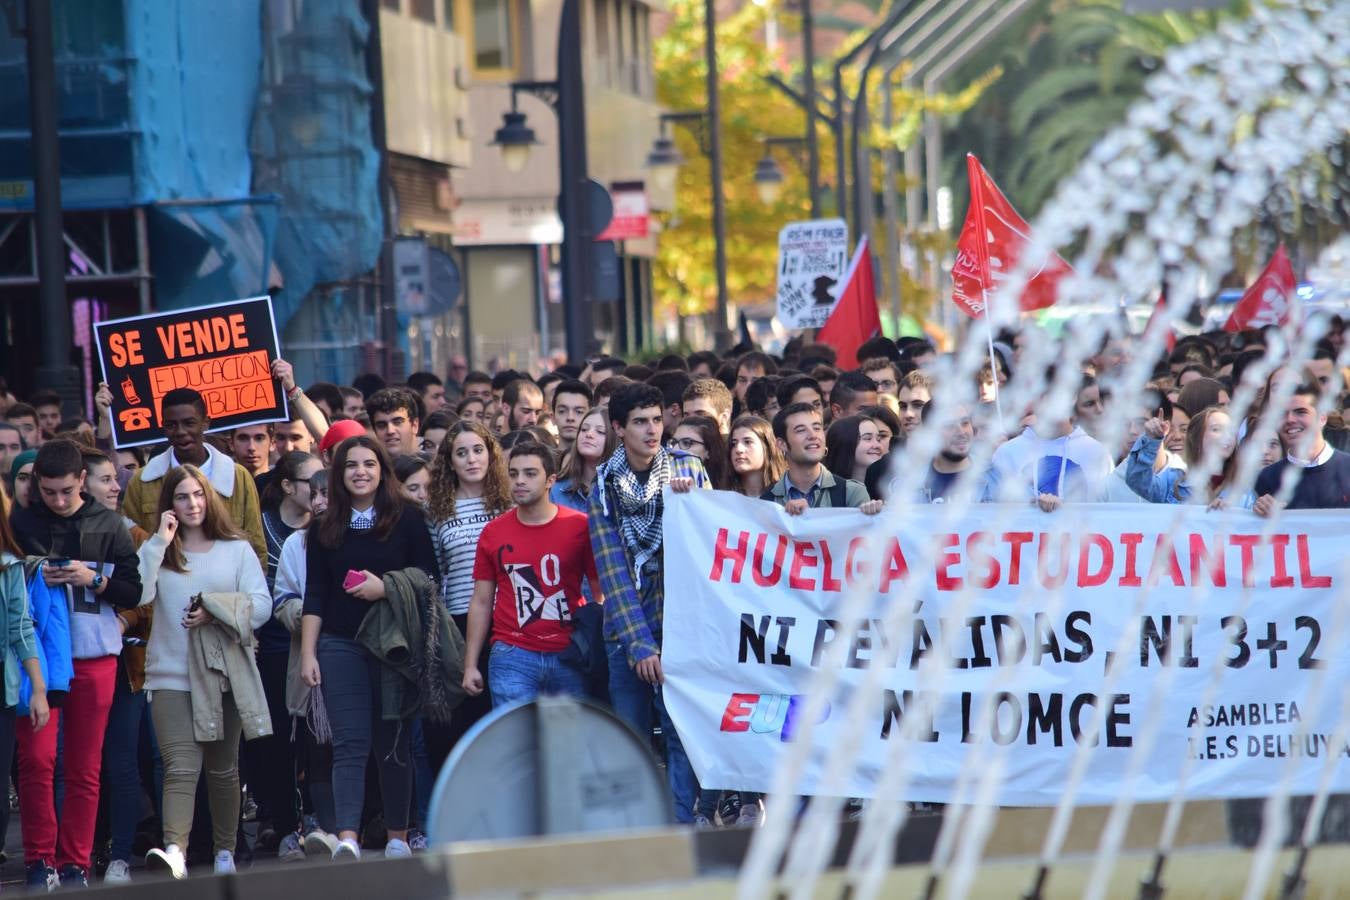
[353, 579]
[58, 562]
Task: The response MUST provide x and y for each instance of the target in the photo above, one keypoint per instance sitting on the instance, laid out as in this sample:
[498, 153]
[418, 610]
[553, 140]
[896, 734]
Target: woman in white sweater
[197, 550]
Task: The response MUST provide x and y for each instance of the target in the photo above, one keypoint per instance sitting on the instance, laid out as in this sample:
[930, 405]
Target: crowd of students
[289, 606]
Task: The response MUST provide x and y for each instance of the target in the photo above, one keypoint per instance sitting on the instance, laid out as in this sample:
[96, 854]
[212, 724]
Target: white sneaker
[319, 843]
[752, 815]
[170, 860]
[397, 849]
[118, 872]
[347, 850]
[224, 862]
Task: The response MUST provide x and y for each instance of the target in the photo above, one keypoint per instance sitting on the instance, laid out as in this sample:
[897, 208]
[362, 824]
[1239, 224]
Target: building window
[391, 4]
[648, 66]
[634, 73]
[448, 7]
[601, 18]
[602, 50]
[424, 10]
[492, 34]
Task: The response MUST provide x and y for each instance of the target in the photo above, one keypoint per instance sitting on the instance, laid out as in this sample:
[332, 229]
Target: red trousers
[86, 715]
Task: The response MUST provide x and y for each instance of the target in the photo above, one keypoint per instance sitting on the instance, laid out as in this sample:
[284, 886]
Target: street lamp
[768, 179]
[664, 162]
[768, 175]
[514, 139]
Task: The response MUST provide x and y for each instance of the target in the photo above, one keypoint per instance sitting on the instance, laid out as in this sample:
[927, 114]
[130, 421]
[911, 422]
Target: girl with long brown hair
[122, 740]
[756, 461]
[285, 511]
[197, 551]
[594, 443]
[755, 465]
[853, 443]
[468, 489]
[1210, 442]
[370, 528]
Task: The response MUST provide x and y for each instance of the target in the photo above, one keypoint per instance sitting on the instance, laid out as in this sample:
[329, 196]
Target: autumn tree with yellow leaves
[752, 109]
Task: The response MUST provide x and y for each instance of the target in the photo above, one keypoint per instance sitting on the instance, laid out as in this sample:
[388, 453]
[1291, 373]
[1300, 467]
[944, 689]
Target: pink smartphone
[353, 579]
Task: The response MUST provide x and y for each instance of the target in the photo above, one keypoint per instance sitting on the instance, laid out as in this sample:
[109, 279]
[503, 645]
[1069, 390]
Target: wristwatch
[97, 583]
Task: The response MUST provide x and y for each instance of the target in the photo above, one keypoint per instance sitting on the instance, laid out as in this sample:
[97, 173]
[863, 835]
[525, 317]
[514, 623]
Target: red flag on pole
[1171, 340]
[1270, 300]
[991, 241]
[855, 318]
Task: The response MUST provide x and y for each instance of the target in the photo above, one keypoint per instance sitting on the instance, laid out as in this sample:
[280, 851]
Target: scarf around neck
[639, 505]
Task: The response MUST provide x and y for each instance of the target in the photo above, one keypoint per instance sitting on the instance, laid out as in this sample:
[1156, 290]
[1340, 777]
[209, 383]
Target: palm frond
[1048, 92]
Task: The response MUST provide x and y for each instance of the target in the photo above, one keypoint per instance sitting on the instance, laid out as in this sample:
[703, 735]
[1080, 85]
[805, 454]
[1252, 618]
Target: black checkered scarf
[639, 505]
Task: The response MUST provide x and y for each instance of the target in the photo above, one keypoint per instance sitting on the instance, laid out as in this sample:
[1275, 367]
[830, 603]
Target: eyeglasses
[688, 443]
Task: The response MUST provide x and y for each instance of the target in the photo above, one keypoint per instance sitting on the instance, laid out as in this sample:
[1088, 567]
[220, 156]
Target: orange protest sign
[223, 352]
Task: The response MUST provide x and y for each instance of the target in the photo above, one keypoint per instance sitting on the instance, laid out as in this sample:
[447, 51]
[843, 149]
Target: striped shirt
[455, 542]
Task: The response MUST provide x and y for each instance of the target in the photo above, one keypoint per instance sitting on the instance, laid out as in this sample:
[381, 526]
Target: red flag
[855, 318]
[1269, 300]
[1171, 340]
[991, 241]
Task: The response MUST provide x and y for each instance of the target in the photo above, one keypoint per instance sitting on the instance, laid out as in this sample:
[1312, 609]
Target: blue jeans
[633, 700]
[351, 693]
[518, 674]
[127, 718]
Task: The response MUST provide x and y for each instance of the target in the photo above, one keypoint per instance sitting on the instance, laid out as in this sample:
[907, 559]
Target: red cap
[339, 432]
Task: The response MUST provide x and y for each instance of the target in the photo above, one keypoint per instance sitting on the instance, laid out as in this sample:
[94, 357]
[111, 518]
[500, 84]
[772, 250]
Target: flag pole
[974, 171]
[993, 364]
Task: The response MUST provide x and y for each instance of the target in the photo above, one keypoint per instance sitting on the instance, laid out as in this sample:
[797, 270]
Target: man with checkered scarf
[625, 523]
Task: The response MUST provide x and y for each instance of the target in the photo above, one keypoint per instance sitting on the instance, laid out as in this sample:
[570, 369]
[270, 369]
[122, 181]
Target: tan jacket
[220, 659]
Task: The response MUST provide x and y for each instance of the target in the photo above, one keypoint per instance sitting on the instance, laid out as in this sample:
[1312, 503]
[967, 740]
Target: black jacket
[93, 534]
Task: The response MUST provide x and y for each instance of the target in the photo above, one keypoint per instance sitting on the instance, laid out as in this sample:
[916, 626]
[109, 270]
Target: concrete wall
[426, 105]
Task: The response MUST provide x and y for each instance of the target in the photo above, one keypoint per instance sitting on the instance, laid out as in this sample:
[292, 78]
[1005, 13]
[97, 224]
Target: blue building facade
[208, 152]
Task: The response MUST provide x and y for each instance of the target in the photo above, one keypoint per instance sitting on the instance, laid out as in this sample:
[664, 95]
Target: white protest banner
[753, 603]
[812, 259]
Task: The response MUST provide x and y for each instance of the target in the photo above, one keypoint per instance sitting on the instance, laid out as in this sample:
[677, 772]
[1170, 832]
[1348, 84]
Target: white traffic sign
[812, 260]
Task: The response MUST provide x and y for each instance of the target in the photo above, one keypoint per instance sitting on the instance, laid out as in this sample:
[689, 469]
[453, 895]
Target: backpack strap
[839, 493]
